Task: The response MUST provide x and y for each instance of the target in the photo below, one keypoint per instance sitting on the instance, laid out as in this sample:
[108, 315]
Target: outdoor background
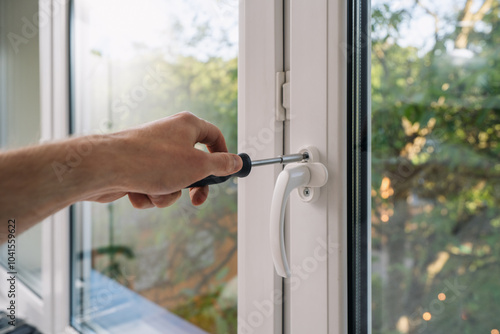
[436, 166]
[435, 158]
[149, 60]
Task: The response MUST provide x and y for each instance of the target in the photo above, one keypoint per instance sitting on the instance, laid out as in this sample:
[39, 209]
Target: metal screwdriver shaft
[247, 167]
[282, 159]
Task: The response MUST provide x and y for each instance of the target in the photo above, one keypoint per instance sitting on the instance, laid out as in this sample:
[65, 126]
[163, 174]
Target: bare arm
[150, 164]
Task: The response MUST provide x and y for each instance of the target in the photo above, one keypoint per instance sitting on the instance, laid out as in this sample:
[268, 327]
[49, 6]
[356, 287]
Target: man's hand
[150, 163]
[156, 160]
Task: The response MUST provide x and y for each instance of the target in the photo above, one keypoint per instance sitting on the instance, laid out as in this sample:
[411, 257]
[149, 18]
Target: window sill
[115, 309]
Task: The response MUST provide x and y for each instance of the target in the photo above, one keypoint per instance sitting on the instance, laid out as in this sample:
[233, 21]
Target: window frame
[50, 311]
[54, 50]
[318, 54]
[261, 57]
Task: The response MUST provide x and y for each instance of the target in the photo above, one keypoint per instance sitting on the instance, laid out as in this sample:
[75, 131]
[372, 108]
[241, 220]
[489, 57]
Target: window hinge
[282, 96]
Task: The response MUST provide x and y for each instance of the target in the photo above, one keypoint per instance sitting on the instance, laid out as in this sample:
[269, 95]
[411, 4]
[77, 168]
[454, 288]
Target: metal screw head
[306, 192]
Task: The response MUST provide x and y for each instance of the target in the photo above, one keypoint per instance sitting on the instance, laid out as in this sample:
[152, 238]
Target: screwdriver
[247, 167]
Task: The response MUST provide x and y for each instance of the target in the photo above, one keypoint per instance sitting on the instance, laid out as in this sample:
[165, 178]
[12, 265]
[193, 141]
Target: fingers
[218, 162]
[162, 201]
[211, 136]
[142, 201]
[222, 164]
[184, 164]
[198, 195]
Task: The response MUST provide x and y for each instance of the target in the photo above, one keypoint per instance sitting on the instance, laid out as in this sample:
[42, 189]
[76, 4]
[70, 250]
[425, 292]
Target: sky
[115, 26]
[420, 30]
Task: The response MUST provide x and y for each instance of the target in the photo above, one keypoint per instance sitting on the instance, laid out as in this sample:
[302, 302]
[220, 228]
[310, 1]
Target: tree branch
[214, 271]
[468, 21]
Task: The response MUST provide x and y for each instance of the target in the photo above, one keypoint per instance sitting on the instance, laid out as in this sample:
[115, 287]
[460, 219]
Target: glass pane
[20, 112]
[158, 270]
[435, 166]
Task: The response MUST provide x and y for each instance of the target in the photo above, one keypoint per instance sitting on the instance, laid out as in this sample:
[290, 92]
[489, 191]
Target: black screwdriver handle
[212, 179]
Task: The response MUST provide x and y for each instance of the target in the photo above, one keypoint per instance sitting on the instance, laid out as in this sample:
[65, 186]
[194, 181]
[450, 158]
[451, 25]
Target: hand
[153, 162]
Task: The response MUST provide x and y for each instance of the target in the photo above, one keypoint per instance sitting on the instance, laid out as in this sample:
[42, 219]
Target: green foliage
[435, 175]
[205, 311]
[181, 241]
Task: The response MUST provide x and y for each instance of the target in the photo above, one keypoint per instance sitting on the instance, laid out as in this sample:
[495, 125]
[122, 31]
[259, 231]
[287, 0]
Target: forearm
[36, 182]
[150, 163]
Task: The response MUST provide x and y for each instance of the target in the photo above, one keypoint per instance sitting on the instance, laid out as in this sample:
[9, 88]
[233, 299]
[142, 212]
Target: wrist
[99, 169]
[86, 167]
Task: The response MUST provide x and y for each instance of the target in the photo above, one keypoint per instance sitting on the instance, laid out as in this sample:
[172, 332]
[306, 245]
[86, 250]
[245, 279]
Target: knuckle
[187, 116]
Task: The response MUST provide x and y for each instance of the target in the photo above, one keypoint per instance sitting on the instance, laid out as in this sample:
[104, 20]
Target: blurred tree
[183, 257]
[193, 248]
[436, 169]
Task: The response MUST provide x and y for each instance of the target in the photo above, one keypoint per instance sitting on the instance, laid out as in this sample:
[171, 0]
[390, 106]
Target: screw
[307, 192]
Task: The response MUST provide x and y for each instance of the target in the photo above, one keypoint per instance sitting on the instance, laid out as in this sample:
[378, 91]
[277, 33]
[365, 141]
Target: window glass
[160, 270]
[435, 185]
[20, 113]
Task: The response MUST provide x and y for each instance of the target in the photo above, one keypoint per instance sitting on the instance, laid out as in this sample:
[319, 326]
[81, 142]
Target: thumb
[222, 164]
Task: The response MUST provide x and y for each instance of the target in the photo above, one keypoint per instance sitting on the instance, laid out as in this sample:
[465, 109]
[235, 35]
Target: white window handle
[295, 175]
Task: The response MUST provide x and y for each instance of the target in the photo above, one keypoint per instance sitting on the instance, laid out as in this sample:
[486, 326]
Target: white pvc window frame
[315, 53]
[54, 76]
[260, 290]
[317, 231]
[50, 311]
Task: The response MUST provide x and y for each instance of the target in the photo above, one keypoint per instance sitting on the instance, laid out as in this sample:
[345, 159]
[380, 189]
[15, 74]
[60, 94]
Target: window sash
[261, 48]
